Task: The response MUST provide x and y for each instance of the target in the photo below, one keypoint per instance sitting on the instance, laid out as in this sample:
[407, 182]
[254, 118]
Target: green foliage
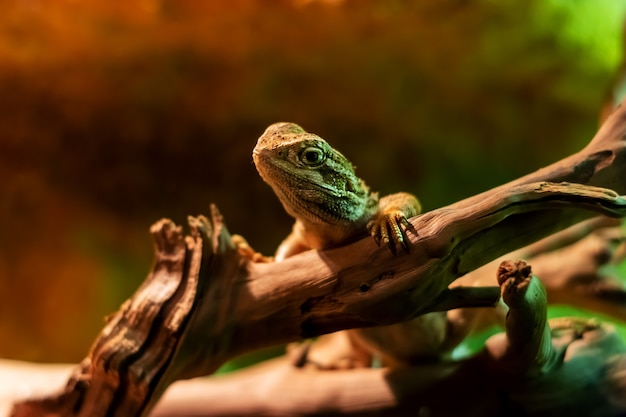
[591, 27]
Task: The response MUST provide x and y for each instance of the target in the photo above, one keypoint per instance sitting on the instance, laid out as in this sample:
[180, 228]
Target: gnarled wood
[575, 367]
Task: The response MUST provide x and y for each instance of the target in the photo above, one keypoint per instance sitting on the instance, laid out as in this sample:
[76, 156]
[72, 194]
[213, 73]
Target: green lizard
[317, 186]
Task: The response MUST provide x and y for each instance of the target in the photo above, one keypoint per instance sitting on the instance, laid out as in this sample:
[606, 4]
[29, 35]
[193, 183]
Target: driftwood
[575, 368]
[278, 388]
[205, 302]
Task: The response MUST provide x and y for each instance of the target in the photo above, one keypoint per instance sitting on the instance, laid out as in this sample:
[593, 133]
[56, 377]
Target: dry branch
[204, 303]
[277, 388]
[580, 364]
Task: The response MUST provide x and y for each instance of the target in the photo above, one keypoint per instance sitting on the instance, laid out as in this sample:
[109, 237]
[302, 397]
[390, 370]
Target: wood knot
[366, 286]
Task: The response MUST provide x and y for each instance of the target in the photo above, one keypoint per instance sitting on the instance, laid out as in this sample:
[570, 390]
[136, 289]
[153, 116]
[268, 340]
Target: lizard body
[318, 186]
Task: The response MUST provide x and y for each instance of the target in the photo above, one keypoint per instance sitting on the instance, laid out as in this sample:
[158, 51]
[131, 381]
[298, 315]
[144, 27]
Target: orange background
[114, 115]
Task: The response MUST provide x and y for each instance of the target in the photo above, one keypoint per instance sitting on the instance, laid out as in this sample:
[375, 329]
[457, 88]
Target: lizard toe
[389, 229]
[375, 231]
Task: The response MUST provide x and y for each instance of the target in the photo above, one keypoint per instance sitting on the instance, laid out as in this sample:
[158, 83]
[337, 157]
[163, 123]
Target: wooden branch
[571, 267]
[278, 388]
[526, 348]
[204, 303]
[580, 363]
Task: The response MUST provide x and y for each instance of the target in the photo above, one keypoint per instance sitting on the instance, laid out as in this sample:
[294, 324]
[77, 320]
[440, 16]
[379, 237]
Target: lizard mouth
[265, 166]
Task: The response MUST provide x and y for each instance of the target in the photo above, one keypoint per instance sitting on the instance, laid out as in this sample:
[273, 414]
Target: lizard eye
[312, 156]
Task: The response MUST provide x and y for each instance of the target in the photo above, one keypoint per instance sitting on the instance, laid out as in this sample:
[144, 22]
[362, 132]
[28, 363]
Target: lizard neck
[317, 186]
[326, 235]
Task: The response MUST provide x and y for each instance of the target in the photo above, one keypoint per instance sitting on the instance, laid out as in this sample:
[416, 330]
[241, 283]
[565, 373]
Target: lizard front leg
[389, 224]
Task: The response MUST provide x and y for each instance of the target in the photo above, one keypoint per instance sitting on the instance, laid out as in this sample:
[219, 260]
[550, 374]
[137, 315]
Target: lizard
[318, 187]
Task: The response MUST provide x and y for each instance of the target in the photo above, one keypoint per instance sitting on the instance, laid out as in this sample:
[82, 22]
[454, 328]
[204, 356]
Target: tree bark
[574, 368]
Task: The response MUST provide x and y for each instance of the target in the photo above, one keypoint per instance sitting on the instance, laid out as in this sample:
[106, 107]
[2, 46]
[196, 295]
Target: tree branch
[581, 364]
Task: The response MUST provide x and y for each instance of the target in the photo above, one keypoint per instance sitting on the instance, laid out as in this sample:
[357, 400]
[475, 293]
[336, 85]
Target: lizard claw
[374, 229]
[389, 228]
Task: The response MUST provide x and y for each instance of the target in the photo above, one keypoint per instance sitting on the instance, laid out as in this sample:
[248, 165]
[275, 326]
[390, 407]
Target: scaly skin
[317, 186]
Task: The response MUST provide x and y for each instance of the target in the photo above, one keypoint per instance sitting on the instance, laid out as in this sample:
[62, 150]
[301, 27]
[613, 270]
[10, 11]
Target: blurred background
[116, 114]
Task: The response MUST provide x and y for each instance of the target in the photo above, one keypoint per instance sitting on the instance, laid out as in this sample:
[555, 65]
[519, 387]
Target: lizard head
[314, 182]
